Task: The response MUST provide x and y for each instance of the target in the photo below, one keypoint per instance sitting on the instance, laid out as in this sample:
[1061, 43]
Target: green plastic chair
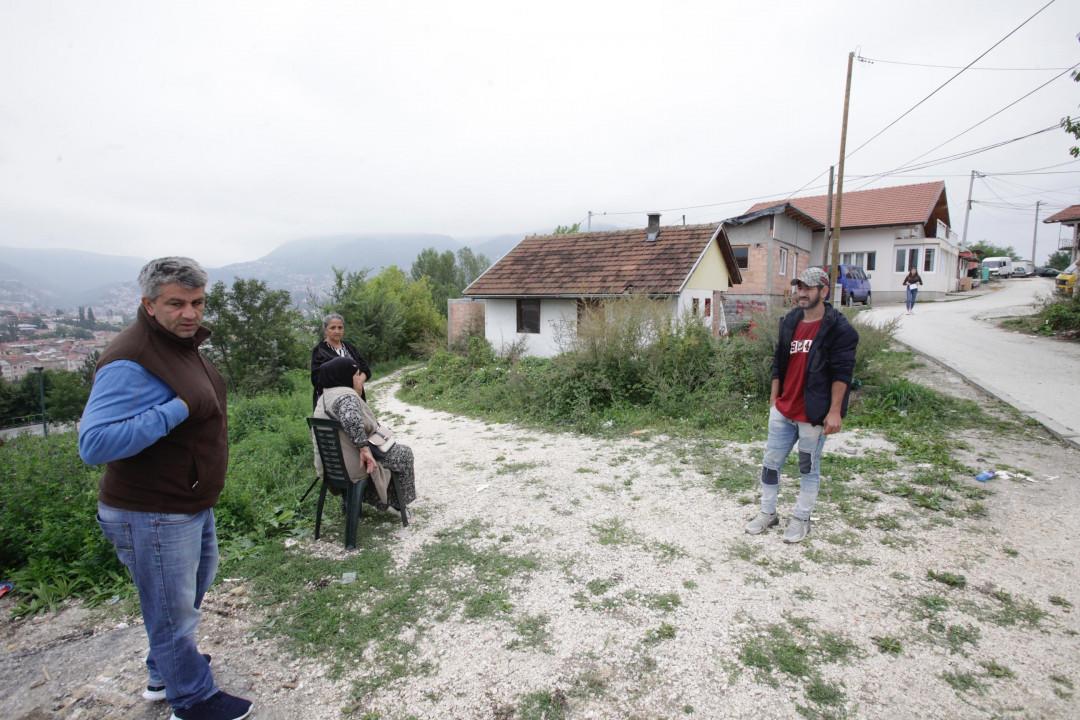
[336, 476]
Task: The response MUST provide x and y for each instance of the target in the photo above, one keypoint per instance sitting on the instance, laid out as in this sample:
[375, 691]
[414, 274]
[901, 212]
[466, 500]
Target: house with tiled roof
[1070, 217]
[885, 231]
[537, 292]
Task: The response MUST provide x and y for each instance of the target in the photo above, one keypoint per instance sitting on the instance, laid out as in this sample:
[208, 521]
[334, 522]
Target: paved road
[1039, 376]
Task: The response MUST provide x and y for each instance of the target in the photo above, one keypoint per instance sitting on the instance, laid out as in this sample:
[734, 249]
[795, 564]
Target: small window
[783, 261]
[742, 255]
[708, 307]
[913, 258]
[928, 260]
[900, 255]
[528, 316]
[871, 261]
[695, 306]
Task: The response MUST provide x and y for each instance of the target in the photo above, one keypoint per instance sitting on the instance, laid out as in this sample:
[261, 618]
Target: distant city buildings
[25, 349]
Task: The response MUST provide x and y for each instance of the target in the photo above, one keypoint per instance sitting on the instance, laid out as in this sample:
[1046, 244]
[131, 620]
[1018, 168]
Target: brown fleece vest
[184, 471]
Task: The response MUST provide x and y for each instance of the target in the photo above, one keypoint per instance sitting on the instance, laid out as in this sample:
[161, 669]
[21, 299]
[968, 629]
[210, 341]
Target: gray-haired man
[156, 417]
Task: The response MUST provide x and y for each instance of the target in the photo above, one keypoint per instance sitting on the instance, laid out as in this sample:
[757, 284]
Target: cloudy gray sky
[222, 129]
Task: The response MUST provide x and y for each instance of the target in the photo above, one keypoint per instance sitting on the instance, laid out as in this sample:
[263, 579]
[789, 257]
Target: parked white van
[1001, 267]
[1023, 268]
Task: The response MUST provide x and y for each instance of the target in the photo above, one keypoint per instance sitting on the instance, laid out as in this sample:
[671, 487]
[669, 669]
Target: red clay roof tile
[1068, 214]
[602, 263]
[900, 205]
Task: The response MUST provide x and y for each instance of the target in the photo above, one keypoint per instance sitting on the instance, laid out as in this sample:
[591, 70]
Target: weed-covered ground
[556, 575]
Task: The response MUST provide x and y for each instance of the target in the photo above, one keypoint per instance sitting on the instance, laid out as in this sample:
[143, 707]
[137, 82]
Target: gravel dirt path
[648, 601]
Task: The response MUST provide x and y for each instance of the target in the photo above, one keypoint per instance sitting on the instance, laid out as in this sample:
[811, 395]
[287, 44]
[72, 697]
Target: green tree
[89, 368]
[1072, 125]
[254, 335]
[91, 321]
[65, 396]
[82, 316]
[1059, 260]
[983, 249]
[567, 229]
[388, 316]
[447, 274]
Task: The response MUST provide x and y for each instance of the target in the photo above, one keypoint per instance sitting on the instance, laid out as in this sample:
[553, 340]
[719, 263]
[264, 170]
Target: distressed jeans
[172, 558]
[783, 434]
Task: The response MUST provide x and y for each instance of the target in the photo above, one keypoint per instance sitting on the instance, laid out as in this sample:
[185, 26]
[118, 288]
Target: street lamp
[41, 398]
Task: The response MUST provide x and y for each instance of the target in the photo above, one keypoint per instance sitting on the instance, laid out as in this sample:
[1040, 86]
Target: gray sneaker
[761, 523]
[797, 530]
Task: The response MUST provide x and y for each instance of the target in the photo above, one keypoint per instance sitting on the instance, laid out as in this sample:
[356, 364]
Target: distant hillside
[64, 278]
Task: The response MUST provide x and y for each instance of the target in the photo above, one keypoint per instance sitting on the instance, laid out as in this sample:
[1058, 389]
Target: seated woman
[341, 380]
[332, 346]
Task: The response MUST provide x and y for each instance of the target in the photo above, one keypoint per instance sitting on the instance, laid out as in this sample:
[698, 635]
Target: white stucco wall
[886, 282]
[500, 325]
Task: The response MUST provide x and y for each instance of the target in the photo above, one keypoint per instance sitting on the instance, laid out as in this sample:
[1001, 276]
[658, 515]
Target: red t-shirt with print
[792, 402]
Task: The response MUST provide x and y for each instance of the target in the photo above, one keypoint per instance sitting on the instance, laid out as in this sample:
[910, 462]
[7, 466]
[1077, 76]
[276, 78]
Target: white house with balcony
[886, 231]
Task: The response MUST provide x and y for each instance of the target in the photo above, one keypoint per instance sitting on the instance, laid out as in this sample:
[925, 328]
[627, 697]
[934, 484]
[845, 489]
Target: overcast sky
[222, 129]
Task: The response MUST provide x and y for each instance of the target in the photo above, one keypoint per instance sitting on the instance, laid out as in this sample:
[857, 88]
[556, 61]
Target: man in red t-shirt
[812, 369]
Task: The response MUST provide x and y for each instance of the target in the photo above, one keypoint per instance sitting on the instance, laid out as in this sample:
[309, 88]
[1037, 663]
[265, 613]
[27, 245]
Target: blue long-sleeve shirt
[129, 410]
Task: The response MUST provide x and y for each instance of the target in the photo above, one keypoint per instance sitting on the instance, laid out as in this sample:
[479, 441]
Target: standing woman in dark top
[911, 281]
[332, 346]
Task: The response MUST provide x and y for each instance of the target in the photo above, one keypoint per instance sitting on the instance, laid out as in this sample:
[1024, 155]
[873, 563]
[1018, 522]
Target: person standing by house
[911, 280]
[811, 378]
[156, 418]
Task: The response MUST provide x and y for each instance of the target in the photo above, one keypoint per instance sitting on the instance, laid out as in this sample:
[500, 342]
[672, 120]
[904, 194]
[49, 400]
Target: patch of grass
[532, 631]
[744, 550]
[997, 671]
[957, 637]
[953, 580]
[888, 644]
[543, 705]
[1011, 610]
[802, 593]
[821, 692]
[690, 584]
[665, 602]
[614, 532]
[1060, 602]
[837, 557]
[929, 605]
[1010, 551]
[665, 631]
[599, 586]
[515, 467]
[886, 523]
[963, 682]
[1063, 687]
[585, 471]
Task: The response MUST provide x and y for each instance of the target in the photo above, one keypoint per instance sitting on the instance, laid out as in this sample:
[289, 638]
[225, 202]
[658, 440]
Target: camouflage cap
[812, 277]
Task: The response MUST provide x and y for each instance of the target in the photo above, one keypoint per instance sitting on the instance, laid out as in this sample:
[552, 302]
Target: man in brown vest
[156, 418]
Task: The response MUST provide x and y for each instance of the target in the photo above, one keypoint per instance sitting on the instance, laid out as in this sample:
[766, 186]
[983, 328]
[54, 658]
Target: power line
[985, 119]
[952, 67]
[934, 92]
[956, 75]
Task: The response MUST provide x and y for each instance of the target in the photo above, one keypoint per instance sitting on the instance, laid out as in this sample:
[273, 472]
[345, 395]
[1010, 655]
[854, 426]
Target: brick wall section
[465, 318]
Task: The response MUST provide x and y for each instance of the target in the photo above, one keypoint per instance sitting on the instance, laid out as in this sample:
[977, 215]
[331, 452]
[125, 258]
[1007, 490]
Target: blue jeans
[783, 434]
[172, 558]
[912, 291]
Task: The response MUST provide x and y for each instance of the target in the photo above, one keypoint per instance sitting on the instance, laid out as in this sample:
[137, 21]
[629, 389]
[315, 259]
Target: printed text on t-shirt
[801, 346]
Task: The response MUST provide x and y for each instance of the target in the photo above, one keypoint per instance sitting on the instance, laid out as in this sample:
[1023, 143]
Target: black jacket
[323, 353]
[832, 359]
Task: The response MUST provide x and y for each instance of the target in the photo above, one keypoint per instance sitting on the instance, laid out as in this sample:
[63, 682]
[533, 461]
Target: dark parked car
[1047, 272]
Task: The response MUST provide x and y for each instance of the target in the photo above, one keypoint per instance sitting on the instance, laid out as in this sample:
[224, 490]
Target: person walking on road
[911, 280]
[156, 418]
[811, 379]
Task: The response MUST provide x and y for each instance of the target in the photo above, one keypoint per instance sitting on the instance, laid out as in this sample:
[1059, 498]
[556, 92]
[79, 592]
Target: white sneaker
[797, 530]
[761, 523]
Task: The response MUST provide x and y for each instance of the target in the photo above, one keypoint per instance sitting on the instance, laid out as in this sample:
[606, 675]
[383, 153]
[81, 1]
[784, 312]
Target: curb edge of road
[1062, 433]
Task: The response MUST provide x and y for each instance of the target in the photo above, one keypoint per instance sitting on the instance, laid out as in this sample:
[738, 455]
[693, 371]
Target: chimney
[654, 227]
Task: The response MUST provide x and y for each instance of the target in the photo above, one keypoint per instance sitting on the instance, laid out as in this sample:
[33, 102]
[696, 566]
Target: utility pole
[589, 226]
[967, 212]
[828, 218]
[1035, 232]
[840, 183]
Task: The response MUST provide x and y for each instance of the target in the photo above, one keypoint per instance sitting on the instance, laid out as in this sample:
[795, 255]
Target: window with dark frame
[708, 307]
[695, 306]
[528, 316]
[742, 255]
